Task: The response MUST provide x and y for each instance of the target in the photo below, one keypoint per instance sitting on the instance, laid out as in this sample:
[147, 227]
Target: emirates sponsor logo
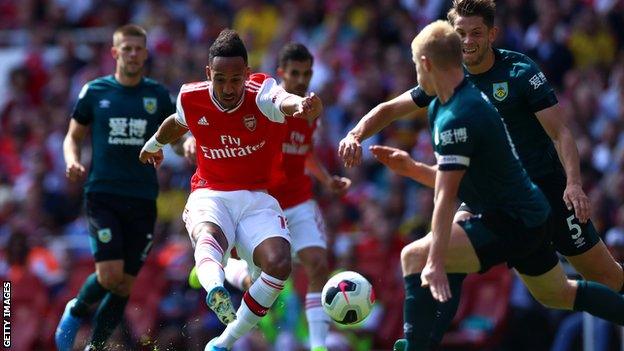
[230, 151]
[294, 149]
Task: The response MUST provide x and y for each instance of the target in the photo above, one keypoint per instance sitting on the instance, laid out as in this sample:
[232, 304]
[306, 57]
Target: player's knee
[277, 265]
[209, 229]
[110, 279]
[414, 256]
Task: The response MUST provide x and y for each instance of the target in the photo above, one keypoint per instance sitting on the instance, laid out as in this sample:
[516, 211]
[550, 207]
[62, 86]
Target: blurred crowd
[51, 48]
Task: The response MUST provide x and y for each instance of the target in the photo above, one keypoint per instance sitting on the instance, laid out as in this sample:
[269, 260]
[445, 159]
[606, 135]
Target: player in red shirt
[294, 194]
[234, 117]
[305, 222]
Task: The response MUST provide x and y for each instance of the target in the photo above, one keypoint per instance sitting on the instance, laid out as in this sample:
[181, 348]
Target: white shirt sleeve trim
[270, 98]
[453, 160]
[83, 91]
[180, 117]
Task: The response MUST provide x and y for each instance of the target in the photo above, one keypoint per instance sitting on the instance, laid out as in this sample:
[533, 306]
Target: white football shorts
[247, 218]
[306, 226]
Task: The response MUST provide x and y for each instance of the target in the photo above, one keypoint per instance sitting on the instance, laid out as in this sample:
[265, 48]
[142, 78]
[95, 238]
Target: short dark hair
[293, 52]
[228, 44]
[129, 30]
[485, 9]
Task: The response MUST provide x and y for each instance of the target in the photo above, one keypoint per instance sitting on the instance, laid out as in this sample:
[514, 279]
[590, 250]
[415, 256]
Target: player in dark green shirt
[468, 134]
[527, 103]
[122, 111]
[120, 118]
[477, 161]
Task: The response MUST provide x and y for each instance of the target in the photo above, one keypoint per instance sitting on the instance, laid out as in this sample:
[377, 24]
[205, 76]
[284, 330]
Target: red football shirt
[296, 145]
[236, 148]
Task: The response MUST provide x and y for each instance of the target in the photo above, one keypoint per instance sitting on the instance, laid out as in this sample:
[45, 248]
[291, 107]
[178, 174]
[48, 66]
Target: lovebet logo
[6, 314]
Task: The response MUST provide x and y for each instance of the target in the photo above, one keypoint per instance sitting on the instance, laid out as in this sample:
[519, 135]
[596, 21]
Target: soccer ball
[348, 297]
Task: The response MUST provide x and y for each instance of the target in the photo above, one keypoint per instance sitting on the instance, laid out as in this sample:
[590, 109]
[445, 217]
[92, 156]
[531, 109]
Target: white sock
[208, 257]
[235, 273]
[256, 302]
[318, 320]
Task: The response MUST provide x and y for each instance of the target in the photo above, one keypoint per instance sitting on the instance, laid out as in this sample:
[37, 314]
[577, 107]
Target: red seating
[485, 298]
[29, 302]
[80, 271]
[147, 292]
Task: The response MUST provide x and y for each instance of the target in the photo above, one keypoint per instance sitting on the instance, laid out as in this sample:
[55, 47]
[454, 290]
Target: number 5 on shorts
[575, 229]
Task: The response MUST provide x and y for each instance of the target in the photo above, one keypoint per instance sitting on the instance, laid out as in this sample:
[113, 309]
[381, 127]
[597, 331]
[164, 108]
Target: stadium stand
[50, 48]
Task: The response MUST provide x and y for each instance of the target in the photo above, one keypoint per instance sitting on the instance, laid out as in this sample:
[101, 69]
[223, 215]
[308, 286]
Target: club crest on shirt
[250, 122]
[150, 105]
[105, 235]
[500, 91]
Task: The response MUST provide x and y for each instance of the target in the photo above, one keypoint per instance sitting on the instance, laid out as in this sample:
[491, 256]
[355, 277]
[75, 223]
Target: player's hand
[153, 158]
[397, 160]
[575, 198]
[434, 276]
[339, 185]
[75, 171]
[350, 150]
[189, 148]
[310, 107]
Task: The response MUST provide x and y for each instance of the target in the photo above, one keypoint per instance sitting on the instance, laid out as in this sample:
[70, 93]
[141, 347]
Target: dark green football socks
[599, 301]
[447, 310]
[90, 293]
[419, 311]
[107, 317]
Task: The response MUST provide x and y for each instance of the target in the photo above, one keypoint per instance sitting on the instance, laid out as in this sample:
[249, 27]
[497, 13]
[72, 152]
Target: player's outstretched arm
[74, 170]
[402, 164]
[558, 131]
[308, 107]
[434, 274]
[350, 149]
[169, 131]
[337, 184]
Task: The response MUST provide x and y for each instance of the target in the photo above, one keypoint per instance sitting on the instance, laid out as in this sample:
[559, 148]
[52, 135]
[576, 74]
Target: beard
[477, 58]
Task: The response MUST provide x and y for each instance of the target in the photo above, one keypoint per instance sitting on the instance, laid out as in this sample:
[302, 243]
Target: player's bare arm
[350, 149]
[558, 131]
[178, 145]
[189, 148]
[169, 131]
[308, 107]
[434, 274]
[74, 169]
[185, 146]
[337, 184]
[402, 164]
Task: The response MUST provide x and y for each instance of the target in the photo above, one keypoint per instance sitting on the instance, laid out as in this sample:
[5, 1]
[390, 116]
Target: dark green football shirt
[122, 119]
[468, 133]
[518, 89]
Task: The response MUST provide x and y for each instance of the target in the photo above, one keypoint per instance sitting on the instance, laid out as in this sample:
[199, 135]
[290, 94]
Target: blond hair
[129, 30]
[440, 44]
